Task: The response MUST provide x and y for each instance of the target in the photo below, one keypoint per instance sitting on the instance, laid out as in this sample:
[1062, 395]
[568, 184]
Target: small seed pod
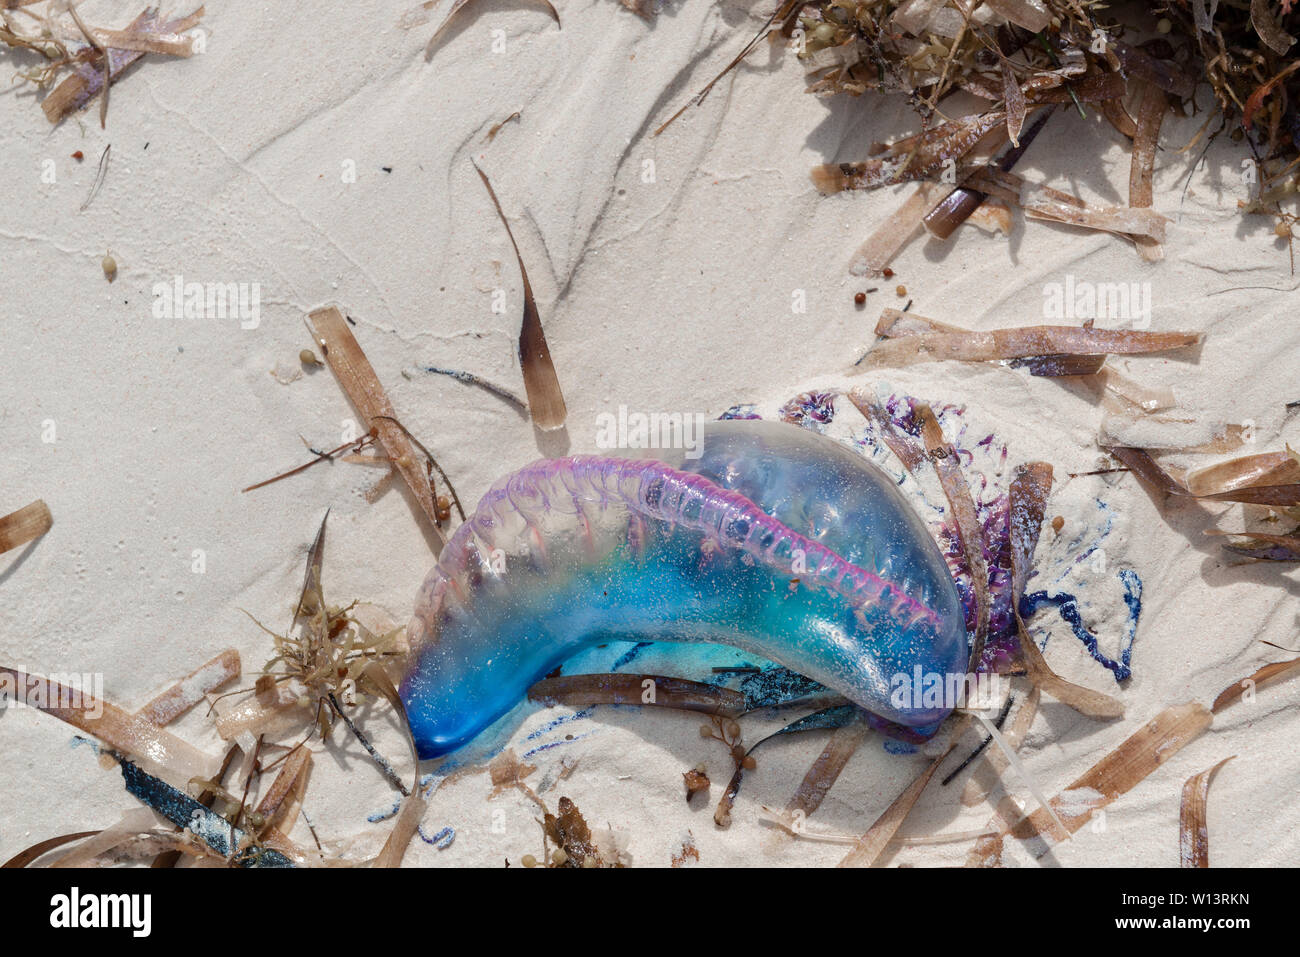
[109, 265]
[308, 358]
[443, 508]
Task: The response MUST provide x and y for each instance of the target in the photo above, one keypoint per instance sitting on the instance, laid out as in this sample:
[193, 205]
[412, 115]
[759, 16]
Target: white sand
[673, 294]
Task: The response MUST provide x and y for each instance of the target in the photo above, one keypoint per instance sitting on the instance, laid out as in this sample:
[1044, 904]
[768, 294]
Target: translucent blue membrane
[768, 538]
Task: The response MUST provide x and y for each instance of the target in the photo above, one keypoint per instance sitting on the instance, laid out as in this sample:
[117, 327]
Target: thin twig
[1002, 717]
[356, 446]
[108, 66]
[379, 759]
[432, 461]
[100, 173]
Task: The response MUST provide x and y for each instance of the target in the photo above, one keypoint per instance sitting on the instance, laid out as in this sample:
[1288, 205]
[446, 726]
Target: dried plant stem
[1194, 835]
[380, 761]
[330, 329]
[108, 66]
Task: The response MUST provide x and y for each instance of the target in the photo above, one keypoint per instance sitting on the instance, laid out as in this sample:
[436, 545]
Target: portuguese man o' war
[767, 537]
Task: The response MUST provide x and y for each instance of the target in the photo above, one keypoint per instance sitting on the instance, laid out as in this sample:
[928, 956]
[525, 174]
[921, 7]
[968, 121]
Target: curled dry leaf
[992, 215]
[965, 203]
[1057, 366]
[1262, 547]
[1044, 202]
[883, 245]
[1272, 495]
[271, 708]
[1040, 202]
[1118, 117]
[1014, 99]
[291, 778]
[545, 398]
[412, 19]
[1118, 772]
[133, 823]
[873, 843]
[1133, 396]
[1240, 478]
[1144, 467]
[1265, 468]
[894, 323]
[1194, 835]
[911, 158]
[38, 850]
[192, 689]
[1151, 112]
[961, 505]
[955, 208]
[1256, 101]
[28, 523]
[330, 330]
[88, 80]
[1027, 504]
[159, 752]
[908, 452]
[824, 772]
[1244, 690]
[147, 41]
[1030, 14]
[1266, 25]
[1163, 74]
[405, 825]
[909, 344]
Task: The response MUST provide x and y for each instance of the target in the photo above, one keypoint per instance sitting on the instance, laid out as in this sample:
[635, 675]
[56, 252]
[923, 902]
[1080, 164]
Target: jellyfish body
[765, 537]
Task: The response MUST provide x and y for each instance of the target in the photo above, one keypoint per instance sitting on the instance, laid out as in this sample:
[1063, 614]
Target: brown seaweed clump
[1130, 63]
[86, 60]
